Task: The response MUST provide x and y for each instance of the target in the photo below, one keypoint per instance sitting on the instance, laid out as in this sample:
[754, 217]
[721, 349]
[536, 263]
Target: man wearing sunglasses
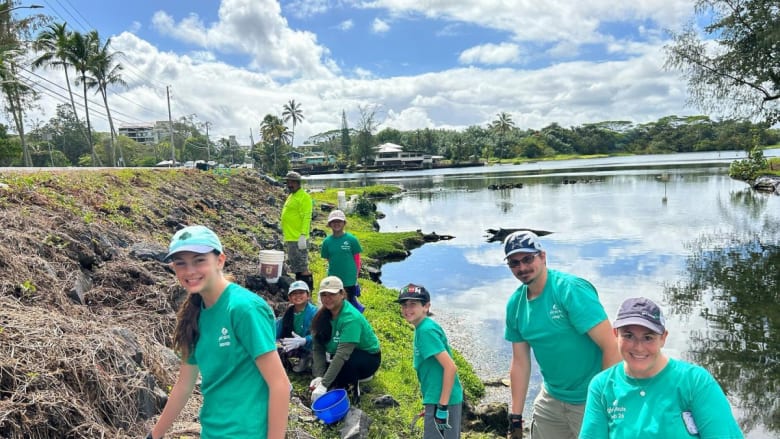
[558, 315]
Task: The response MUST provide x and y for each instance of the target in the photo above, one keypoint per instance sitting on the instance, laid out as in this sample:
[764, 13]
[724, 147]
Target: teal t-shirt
[621, 407]
[555, 325]
[237, 329]
[429, 341]
[352, 327]
[340, 253]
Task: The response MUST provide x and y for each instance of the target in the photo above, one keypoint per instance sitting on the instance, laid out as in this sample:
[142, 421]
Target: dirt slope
[87, 305]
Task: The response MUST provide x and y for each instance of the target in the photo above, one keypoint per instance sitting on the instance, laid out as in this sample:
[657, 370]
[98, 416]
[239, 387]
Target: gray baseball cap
[643, 312]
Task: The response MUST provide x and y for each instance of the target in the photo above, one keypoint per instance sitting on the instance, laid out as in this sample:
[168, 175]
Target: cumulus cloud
[256, 29]
[379, 26]
[504, 53]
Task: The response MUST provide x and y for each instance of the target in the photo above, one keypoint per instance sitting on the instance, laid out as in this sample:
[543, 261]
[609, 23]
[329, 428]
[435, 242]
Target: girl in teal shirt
[442, 393]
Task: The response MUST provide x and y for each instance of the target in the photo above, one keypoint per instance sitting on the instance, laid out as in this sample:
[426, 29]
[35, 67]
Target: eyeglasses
[525, 260]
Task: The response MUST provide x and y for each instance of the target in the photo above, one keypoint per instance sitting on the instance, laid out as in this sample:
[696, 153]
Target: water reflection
[733, 282]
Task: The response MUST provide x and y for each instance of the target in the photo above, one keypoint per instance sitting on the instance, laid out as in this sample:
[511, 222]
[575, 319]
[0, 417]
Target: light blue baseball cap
[298, 285]
[196, 239]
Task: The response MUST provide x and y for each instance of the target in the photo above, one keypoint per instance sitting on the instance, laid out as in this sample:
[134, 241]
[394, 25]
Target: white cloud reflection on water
[617, 234]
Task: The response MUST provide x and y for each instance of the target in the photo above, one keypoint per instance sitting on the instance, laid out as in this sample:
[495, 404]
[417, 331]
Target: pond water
[674, 228]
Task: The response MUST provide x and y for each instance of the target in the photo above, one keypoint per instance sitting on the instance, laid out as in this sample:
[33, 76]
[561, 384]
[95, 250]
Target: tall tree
[365, 148]
[738, 74]
[18, 95]
[81, 54]
[52, 44]
[502, 126]
[292, 112]
[275, 136]
[106, 71]
[346, 140]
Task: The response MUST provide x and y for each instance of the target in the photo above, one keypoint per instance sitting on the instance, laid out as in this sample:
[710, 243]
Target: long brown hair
[186, 334]
[322, 326]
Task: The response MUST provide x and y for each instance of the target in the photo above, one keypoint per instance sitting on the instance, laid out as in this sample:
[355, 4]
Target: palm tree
[81, 54]
[105, 71]
[502, 126]
[292, 111]
[274, 133]
[53, 43]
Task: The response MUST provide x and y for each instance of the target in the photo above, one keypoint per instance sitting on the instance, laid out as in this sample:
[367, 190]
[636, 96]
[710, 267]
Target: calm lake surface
[674, 228]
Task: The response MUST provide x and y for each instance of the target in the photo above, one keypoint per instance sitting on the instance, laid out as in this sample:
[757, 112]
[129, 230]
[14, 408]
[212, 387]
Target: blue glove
[442, 417]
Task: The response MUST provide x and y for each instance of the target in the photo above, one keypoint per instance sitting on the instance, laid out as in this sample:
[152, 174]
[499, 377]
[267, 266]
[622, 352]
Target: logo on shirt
[224, 338]
[616, 411]
[337, 337]
[556, 313]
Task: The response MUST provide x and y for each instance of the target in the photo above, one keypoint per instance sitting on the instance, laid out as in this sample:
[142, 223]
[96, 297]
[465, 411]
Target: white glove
[317, 392]
[315, 382]
[302, 243]
[292, 343]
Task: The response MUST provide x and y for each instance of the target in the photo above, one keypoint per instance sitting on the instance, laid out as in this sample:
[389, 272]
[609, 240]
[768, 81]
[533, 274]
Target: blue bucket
[332, 406]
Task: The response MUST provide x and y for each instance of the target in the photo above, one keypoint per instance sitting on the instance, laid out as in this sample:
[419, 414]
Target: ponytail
[186, 334]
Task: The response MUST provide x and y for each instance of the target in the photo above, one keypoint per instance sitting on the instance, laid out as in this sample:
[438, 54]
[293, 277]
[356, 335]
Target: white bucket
[341, 196]
[271, 265]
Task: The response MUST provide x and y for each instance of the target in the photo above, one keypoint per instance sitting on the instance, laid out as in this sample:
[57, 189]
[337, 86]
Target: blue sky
[416, 63]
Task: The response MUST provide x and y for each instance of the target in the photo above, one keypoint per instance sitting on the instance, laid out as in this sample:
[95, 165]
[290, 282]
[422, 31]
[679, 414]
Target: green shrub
[748, 169]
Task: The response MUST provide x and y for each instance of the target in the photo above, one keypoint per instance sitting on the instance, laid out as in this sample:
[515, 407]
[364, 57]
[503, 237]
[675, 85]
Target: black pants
[360, 365]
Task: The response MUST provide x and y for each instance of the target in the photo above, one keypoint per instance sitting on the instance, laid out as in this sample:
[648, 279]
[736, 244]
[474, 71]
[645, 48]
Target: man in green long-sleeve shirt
[296, 221]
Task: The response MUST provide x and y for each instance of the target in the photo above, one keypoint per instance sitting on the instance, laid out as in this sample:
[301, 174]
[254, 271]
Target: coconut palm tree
[81, 54]
[292, 111]
[52, 44]
[274, 133]
[105, 71]
[502, 126]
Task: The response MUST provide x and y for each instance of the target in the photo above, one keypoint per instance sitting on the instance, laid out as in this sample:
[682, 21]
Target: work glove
[515, 426]
[442, 417]
[302, 242]
[318, 392]
[315, 382]
[292, 343]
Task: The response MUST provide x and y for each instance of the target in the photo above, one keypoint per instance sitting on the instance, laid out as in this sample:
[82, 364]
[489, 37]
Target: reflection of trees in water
[733, 282]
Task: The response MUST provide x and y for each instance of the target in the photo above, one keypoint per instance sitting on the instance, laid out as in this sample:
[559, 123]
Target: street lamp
[23, 7]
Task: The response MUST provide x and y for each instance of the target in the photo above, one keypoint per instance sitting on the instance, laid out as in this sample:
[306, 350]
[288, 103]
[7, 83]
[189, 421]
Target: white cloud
[553, 21]
[255, 28]
[306, 8]
[504, 53]
[379, 26]
[346, 25]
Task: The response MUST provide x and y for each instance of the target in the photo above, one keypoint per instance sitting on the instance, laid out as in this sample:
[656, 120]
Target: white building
[148, 134]
[392, 155]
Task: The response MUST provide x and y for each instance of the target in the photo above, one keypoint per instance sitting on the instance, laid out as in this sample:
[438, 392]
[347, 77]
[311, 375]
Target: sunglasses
[525, 260]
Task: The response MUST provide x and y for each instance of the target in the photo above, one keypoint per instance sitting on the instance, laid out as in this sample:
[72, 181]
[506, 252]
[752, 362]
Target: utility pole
[208, 144]
[251, 147]
[170, 125]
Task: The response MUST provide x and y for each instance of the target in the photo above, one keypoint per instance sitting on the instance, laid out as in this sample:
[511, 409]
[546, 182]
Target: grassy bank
[396, 376]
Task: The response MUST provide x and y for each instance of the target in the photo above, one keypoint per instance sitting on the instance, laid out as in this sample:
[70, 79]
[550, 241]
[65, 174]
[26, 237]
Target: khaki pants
[554, 419]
